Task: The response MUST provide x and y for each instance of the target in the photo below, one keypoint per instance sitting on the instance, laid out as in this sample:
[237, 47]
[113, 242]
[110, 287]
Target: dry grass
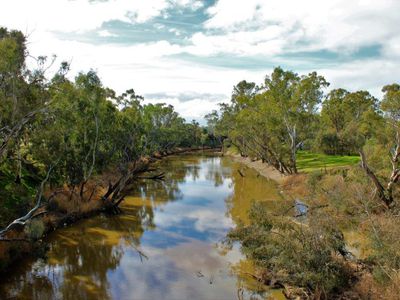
[63, 203]
[368, 288]
[67, 201]
[296, 186]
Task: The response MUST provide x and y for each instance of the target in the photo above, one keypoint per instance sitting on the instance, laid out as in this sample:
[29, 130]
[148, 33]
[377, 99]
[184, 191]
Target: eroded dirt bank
[262, 168]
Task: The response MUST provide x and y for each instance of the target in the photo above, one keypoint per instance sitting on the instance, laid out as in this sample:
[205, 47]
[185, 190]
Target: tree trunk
[385, 195]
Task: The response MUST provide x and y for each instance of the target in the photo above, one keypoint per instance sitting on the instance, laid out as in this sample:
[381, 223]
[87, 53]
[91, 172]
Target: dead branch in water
[117, 192]
[160, 176]
[240, 172]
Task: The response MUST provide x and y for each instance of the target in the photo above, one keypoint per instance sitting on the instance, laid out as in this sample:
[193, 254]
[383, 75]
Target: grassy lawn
[308, 162]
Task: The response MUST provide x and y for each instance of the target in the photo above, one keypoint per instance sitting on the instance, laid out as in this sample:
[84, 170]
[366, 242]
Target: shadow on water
[163, 245]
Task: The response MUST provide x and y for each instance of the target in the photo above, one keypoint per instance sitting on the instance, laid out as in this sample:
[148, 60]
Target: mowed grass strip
[308, 161]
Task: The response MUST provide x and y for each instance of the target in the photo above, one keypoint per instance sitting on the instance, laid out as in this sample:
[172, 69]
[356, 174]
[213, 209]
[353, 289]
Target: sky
[190, 53]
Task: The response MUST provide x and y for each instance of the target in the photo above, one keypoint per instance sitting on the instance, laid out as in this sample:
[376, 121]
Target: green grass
[308, 162]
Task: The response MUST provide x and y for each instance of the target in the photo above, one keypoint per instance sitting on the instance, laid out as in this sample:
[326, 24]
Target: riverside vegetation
[339, 153]
[72, 148]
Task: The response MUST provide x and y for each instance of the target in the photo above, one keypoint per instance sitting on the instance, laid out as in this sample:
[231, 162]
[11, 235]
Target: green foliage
[348, 121]
[391, 101]
[166, 130]
[79, 127]
[273, 121]
[34, 229]
[14, 197]
[304, 255]
[277, 120]
[314, 178]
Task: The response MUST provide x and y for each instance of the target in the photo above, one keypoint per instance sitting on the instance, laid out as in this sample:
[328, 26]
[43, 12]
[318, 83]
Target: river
[167, 243]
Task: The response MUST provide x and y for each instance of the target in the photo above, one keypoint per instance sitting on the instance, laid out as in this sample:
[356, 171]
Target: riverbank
[65, 206]
[332, 197]
[172, 227]
[262, 168]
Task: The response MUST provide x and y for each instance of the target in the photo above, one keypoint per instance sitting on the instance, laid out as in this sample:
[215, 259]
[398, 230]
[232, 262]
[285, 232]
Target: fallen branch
[160, 176]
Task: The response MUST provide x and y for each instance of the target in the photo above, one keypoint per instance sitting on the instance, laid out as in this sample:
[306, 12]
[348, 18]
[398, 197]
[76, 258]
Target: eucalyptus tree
[330, 138]
[294, 101]
[163, 127]
[23, 99]
[213, 137]
[390, 106]
[347, 121]
[65, 132]
[273, 121]
[20, 100]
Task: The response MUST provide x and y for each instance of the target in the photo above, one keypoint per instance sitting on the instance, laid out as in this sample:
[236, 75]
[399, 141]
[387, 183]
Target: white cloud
[267, 41]
[369, 75]
[106, 33]
[80, 15]
[175, 31]
[194, 109]
[194, 5]
[250, 28]
[331, 24]
[77, 15]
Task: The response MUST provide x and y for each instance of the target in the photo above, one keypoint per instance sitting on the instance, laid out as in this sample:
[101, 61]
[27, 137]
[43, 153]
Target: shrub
[308, 256]
[53, 206]
[384, 234]
[34, 229]
[313, 179]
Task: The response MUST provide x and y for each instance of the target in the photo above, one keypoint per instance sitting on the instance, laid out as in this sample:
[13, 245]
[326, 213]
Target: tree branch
[22, 220]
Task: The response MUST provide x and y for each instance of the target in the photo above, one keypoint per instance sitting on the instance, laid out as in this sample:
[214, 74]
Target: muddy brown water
[165, 245]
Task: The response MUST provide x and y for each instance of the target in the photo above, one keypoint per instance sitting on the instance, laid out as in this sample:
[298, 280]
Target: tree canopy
[77, 128]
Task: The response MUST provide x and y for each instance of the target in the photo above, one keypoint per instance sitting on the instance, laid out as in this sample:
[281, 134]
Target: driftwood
[117, 192]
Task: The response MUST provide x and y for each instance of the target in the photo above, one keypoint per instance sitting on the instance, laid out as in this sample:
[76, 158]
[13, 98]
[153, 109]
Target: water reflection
[246, 189]
[163, 246]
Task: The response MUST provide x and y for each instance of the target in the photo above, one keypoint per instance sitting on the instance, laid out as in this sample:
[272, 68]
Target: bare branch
[22, 220]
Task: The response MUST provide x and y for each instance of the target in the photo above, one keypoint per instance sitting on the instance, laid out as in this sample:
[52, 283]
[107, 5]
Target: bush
[313, 179]
[307, 256]
[34, 229]
[384, 234]
[53, 206]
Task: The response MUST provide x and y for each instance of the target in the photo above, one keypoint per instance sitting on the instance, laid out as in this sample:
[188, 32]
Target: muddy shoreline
[262, 168]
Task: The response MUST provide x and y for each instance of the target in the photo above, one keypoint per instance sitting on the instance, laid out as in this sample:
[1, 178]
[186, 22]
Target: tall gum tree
[290, 103]
[390, 106]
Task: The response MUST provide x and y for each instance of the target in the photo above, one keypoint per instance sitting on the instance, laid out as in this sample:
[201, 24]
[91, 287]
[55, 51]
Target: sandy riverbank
[262, 168]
